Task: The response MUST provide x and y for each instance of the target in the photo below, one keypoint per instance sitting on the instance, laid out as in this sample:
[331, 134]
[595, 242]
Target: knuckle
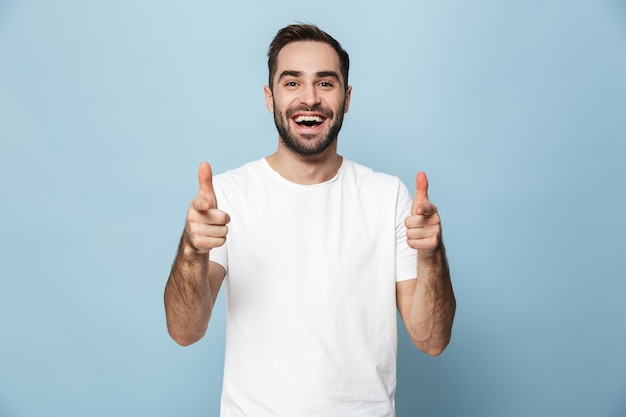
[221, 217]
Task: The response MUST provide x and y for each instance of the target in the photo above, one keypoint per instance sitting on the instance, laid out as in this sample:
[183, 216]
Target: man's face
[308, 97]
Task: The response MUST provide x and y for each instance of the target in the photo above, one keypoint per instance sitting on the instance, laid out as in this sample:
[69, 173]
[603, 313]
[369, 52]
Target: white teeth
[316, 119]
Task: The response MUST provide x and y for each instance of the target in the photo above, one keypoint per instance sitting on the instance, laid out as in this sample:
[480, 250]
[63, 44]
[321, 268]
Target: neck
[305, 170]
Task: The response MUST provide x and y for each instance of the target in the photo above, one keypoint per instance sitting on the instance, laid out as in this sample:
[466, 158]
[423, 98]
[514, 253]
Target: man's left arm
[427, 304]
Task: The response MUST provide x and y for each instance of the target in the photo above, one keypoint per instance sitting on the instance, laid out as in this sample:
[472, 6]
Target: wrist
[437, 254]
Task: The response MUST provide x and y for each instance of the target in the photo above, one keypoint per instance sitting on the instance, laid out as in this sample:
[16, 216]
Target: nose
[309, 96]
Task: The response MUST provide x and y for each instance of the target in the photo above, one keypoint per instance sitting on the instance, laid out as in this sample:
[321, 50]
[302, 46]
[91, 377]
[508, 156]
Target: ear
[269, 99]
[346, 105]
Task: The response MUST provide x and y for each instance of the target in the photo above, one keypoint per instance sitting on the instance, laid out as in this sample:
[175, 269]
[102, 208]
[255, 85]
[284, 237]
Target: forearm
[433, 305]
[188, 296]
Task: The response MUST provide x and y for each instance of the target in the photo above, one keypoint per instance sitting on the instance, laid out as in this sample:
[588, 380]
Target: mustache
[318, 108]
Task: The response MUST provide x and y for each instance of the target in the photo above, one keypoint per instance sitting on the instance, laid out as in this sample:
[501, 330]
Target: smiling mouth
[309, 121]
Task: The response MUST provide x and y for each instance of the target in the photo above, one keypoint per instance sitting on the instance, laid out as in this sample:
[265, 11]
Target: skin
[427, 304]
[308, 83]
[304, 80]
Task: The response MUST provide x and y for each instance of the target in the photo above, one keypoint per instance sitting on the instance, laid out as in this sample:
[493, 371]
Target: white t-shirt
[311, 285]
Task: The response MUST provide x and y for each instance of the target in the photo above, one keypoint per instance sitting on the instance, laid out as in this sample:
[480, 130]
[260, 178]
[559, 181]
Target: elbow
[431, 347]
[434, 349]
[431, 341]
[184, 332]
[184, 339]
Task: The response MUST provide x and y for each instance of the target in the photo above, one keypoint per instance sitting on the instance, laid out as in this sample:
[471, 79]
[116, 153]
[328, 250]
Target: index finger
[200, 203]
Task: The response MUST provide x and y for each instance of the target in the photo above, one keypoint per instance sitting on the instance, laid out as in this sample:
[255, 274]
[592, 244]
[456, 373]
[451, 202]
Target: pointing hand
[423, 226]
[206, 225]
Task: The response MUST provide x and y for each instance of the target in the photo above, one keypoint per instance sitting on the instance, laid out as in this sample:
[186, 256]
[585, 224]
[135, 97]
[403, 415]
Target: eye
[291, 84]
[326, 84]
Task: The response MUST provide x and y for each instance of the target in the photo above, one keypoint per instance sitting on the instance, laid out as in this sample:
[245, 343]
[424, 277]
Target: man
[320, 253]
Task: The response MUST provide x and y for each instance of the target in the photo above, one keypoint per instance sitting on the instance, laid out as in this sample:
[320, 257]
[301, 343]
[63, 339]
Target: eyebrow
[320, 74]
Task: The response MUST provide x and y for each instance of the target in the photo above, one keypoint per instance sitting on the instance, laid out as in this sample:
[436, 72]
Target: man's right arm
[194, 281]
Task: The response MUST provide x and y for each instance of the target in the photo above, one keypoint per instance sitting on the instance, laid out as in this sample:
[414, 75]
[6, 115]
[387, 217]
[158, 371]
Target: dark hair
[305, 32]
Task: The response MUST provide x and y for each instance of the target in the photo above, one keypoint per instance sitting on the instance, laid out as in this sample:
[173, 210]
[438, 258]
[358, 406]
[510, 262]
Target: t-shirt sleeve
[406, 257]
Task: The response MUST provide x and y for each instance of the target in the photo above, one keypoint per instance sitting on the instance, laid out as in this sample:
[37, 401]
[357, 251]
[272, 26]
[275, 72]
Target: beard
[307, 144]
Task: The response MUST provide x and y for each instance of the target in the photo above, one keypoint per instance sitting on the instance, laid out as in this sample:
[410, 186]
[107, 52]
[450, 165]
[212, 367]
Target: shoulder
[236, 186]
[365, 176]
[240, 175]
[379, 187]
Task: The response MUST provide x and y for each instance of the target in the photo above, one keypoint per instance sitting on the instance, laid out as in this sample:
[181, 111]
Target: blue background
[516, 110]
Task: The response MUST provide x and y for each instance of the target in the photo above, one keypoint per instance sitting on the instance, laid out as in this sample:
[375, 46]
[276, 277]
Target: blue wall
[516, 110]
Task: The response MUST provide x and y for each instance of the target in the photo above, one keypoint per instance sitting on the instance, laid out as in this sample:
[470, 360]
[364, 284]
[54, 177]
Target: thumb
[421, 191]
[205, 181]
